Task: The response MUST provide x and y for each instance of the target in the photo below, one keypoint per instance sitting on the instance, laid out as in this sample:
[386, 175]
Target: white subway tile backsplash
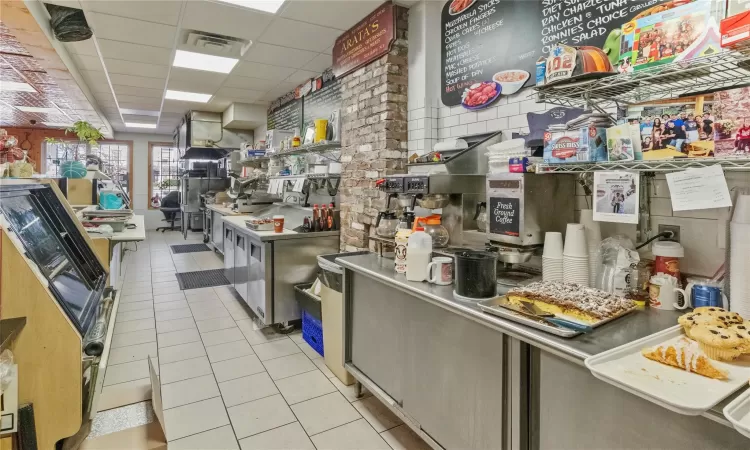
[511, 109]
[457, 110]
[419, 124]
[412, 145]
[519, 121]
[451, 121]
[468, 117]
[416, 134]
[444, 111]
[497, 124]
[531, 106]
[487, 114]
[459, 130]
[444, 133]
[427, 133]
[477, 128]
[417, 114]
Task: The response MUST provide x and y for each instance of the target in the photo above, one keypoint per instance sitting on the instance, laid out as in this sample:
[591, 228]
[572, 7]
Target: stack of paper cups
[552, 258]
[575, 255]
[593, 240]
[739, 257]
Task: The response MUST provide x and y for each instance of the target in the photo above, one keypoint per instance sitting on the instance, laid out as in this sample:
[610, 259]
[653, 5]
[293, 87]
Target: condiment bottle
[316, 218]
[418, 256]
[402, 239]
[331, 221]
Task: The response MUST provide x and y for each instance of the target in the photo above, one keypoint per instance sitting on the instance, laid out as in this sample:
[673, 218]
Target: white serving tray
[738, 413]
[673, 388]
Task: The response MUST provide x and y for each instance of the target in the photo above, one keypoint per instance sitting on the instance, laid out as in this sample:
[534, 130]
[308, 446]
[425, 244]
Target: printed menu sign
[369, 39]
[505, 216]
[322, 103]
[501, 40]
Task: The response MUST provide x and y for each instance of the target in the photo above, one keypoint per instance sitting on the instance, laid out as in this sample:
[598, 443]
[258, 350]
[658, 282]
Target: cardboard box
[735, 31]
[564, 147]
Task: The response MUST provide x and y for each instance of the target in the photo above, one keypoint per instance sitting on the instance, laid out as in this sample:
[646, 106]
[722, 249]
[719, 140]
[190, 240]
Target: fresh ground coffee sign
[371, 38]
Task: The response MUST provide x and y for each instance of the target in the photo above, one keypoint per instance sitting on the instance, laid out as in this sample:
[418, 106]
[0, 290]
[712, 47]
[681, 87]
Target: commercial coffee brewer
[522, 207]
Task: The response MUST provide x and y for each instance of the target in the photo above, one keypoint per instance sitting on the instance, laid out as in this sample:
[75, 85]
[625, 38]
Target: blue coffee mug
[699, 295]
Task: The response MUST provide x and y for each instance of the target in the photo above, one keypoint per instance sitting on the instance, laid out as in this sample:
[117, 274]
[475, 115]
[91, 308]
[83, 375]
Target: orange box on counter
[735, 31]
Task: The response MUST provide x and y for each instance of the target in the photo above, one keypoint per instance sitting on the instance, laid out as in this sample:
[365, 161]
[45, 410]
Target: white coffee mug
[443, 273]
[662, 292]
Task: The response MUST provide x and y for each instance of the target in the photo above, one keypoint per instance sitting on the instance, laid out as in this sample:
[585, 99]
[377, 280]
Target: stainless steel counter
[556, 364]
[238, 222]
[626, 329]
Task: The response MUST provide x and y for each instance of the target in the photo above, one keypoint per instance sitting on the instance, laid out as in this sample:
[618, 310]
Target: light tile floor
[227, 384]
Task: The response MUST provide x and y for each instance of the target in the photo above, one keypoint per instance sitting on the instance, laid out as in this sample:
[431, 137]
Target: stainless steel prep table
[264, 266]
[467, 379]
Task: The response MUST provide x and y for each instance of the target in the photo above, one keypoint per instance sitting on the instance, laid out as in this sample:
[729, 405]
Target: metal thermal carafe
[522, 207]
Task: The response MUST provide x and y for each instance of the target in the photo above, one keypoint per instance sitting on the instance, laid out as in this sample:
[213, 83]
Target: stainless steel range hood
[201, 136]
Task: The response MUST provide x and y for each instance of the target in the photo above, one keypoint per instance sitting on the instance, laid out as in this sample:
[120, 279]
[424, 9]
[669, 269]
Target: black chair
[170, 207]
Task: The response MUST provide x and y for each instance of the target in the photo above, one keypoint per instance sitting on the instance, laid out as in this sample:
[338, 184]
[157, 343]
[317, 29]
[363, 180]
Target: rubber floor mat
[202, 279]
[190, 248]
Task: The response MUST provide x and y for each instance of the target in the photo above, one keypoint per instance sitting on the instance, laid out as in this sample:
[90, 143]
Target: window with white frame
[115, 157]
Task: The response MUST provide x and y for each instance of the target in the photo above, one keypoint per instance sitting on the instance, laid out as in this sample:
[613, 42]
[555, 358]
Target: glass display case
[53, 242]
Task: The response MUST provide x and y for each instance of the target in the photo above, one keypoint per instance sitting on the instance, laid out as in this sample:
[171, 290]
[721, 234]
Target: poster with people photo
[732, 126]
[677, 128]
[616, 196]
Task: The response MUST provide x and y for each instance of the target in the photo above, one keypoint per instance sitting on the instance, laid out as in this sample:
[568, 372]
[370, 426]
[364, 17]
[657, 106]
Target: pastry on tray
[583, 303]
[717, 317]
[719, 342]
[687, 355]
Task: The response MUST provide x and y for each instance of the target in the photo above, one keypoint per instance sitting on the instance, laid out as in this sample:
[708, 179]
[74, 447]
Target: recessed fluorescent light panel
[138, 112]
[201, 61]
[140, 125]
[57, 125]
[187, 96]
[34, 109]
[270, 6]
[15, 86]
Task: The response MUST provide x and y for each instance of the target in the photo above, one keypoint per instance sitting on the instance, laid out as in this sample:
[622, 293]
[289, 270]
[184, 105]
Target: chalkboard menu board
[482, 38]
[286, 117]
[321, 103]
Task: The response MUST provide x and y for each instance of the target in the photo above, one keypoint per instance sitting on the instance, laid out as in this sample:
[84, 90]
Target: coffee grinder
[521, 208]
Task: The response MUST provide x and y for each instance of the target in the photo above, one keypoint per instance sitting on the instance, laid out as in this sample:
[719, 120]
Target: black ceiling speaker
[68, 24]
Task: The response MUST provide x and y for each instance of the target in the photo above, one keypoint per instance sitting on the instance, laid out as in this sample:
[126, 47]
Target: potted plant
[725, 128]
[88, 136]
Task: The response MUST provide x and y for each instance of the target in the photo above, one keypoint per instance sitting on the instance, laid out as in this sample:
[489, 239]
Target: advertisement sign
[368, 40]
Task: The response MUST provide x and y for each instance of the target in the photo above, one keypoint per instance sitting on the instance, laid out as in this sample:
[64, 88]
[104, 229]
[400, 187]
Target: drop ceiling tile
[224, 19]
[94, 76]
[291, 33]
[86, 62]
[151, 11]
[278, 56]
[239, 94]
[218, 104]
[136, 68]
[256, 84]
[175, 106]
[86, 47]
[301, 75]
[135, 52]
[201, 76]
[264, 71]
[319, 63]
[123, 100]
[130, 30]
[328, 51]
[318, 12]
[139, 91]
[191, 86]
[135, 81]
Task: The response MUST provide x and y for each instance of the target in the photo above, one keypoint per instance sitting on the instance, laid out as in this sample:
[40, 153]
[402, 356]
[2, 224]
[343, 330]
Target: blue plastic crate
[312, 332]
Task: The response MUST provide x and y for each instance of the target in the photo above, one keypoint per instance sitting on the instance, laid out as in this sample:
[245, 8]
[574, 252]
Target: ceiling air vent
[68, 24]
[216, 44]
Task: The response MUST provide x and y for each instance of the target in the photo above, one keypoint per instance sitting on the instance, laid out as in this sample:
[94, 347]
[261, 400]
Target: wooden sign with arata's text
[369, 39]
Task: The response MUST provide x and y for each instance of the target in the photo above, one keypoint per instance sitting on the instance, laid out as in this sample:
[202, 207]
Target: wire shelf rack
[706, 74]
[320, 147]
[645, 166]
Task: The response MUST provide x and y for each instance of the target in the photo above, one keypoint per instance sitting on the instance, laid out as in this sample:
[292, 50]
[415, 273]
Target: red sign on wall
[370, 39]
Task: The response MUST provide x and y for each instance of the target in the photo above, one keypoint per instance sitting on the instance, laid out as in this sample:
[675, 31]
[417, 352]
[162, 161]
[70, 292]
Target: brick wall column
[374, 136]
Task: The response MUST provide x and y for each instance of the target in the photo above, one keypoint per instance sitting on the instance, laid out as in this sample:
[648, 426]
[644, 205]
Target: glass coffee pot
[481, 216]
[433, 226]
[386, 224]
